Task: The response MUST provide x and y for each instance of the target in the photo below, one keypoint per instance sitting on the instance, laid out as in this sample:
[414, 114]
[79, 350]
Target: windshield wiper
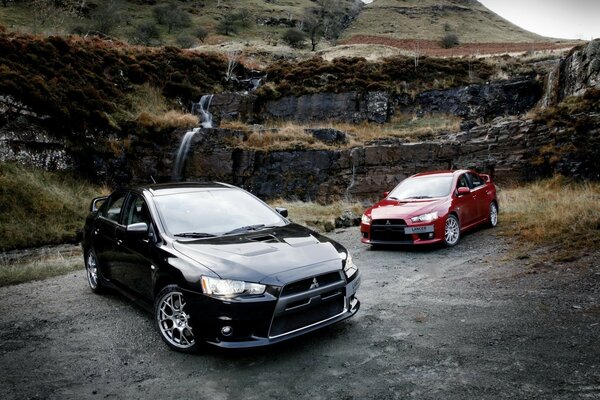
[245, 229]
[194, 235]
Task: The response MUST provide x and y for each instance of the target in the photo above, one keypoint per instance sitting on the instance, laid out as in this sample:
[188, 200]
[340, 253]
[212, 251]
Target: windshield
[214, 212]
[424, 187]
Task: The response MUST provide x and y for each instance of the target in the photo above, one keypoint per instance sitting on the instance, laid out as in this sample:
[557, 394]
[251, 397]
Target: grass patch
[40, 267]
[317, 215]
[292, 135]
[554, 212]
[39, 207]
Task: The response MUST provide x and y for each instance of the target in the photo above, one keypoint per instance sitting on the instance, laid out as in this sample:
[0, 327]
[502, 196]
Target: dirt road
[456, 323]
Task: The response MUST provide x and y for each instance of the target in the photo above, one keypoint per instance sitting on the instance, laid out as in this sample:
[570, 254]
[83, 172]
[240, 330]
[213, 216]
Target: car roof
[160, 189]
[440, 173]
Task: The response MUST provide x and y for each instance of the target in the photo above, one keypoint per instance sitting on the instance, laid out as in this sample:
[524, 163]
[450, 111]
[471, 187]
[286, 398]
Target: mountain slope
[432, 19]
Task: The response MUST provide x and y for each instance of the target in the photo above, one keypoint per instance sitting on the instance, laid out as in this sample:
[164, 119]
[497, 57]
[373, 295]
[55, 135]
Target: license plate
[418, 229]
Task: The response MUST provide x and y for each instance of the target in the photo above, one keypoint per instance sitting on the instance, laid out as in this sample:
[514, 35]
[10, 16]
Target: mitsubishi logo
[314, 284]
[388, 222]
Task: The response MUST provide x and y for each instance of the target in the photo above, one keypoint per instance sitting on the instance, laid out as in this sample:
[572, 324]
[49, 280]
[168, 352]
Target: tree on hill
[231, 22]
[294, 37]
[172, 16]
[323, 21]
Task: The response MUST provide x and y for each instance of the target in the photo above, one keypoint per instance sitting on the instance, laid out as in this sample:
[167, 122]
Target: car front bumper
[270, 318]
[417, 234]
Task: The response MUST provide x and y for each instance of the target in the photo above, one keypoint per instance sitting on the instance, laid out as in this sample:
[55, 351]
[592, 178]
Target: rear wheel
[172, 320]
[452, 230]
[493, 217]
[91, 269]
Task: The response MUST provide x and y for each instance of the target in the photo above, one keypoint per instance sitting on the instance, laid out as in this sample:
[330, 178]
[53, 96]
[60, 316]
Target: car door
[104, 240]
[479, 195]
[133, 266]
[465, 205]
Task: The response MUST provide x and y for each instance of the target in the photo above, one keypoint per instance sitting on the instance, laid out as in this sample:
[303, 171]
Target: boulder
[328, 135]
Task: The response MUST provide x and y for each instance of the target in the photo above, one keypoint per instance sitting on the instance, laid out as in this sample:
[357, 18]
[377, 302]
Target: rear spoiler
[94, 204]
[486, 178]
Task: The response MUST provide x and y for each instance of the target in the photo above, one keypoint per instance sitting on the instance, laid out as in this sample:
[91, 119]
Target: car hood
[393, 209]
[273, 256]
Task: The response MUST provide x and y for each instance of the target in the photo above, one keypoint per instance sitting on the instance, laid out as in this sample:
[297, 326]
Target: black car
[215, 264]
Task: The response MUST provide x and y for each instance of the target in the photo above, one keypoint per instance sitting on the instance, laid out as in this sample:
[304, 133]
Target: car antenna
[152, 179]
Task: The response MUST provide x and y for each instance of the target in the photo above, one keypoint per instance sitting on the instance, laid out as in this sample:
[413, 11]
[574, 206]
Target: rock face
[480, 101]
[575, 74]
[233, 106]
[347, 107]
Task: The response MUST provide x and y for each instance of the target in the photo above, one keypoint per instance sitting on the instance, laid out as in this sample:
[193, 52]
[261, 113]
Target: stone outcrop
[575, 74]
[496, 99]
[347, 107]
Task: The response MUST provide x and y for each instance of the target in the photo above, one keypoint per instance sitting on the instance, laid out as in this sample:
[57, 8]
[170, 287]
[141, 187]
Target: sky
[564, 19]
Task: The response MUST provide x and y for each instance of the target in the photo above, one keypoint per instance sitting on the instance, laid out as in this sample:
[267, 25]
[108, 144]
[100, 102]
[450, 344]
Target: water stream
[206, 121]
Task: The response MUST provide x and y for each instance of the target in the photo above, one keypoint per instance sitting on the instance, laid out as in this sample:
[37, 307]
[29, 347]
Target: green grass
[39, 208]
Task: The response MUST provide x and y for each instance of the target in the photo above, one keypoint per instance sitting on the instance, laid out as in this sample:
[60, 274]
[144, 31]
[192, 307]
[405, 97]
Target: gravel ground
[459, 323]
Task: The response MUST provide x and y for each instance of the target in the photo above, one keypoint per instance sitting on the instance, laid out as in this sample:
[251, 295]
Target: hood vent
[264, 239]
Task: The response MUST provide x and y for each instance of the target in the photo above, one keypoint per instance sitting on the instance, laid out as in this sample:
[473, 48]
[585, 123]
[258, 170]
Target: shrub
[185, 41]
[449, 40]
[146, 34]
[200, 33]
[294, 37]
[172, 16]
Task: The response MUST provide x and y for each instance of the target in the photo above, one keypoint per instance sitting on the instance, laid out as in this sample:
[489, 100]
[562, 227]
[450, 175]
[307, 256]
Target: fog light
[226, 331]
[431, 235]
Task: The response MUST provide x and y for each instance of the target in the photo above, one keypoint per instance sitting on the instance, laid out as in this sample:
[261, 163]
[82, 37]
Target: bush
[172, 16]
[146, 34]
[185, 41]
[449, 40]
[200, 33]
[294, 37]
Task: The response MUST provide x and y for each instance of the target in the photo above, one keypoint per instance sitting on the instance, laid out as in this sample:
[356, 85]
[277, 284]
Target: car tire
[451, 231]
[91, 269]
[493, 215]
[172, 321]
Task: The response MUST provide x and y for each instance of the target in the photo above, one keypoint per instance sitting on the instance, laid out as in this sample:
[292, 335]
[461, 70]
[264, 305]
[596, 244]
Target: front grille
[305, 284]
[384, 222]
[304, 317]
[389, 230]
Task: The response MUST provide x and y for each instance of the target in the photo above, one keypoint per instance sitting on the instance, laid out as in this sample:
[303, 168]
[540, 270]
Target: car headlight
[425, 217]
[230, 288]
[366, 219]
[349, 268]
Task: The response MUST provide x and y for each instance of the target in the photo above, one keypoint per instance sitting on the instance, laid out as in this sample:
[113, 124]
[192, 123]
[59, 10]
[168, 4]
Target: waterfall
[353, 177]
[206, 118]
[184, 147]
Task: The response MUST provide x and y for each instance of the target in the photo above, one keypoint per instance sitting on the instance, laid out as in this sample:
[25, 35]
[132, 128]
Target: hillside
[431, 20]
[257, 27]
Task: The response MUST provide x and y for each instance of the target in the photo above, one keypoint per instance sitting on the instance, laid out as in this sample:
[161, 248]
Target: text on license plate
[418, 229]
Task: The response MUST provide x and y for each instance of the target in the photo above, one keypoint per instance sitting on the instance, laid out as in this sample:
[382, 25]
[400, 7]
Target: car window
[112, 209]
[462, 182]
[476, 180]
[423, 187]
[137, 211]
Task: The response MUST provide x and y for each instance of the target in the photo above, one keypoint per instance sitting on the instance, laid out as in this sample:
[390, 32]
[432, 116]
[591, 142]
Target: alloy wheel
[493, 215]
[452, 231]
[91, 266]
[173, 321]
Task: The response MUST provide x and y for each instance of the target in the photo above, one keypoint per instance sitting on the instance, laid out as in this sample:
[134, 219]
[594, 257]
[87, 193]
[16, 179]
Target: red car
[431, 207]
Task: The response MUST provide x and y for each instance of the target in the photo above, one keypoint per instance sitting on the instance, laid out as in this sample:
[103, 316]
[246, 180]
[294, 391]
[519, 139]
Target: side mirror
[96, 203]
[282, 211]
[461, 191]
[386, 194]
[485, 177]
[140, 227]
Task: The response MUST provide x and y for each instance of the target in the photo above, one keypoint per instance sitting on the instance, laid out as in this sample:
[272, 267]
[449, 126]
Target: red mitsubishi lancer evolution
[431, 207]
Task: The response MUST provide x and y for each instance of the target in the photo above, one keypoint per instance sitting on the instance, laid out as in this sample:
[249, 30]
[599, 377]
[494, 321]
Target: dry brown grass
[292, 135]
[317, 215]
[149, 108]
[554, 212]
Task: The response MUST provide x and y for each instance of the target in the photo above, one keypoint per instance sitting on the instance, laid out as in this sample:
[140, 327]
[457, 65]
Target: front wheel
[172, 320]
[493, 217]
[91, 269]
[451, 231]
